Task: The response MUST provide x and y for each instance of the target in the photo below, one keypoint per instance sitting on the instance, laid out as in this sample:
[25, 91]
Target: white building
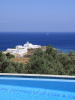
[29, 45]
[19, 46]
[22, 49]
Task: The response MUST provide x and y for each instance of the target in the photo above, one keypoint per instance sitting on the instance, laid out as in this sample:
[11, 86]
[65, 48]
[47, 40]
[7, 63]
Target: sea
[63, 41]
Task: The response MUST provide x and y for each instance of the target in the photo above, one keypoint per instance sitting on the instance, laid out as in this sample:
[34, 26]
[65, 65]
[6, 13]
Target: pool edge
[39, 75]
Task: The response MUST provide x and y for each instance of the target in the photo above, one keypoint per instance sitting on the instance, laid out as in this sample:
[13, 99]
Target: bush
[9, 56]
[41, 62]
[49, 62]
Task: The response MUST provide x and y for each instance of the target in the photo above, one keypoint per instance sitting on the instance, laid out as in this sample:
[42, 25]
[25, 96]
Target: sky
[37, 15]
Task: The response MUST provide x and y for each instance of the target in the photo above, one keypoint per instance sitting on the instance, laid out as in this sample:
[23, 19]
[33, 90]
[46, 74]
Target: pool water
[36, 89]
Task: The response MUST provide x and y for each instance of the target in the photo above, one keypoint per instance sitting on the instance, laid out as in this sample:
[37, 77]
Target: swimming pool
[36, 88]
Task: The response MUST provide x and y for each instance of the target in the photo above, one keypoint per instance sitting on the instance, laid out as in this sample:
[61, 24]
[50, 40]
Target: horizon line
[39, 31]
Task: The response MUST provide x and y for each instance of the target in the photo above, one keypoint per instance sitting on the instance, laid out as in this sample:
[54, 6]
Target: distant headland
[20, 50]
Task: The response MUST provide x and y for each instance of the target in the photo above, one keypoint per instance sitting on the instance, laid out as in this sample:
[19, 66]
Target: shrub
[9, 56]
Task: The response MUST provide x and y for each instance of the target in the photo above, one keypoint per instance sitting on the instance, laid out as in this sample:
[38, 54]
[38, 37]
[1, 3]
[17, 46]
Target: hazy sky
[37, 15]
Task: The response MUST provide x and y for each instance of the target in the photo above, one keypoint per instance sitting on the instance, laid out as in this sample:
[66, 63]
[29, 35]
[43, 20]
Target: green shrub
[41, 62]
[9, 56]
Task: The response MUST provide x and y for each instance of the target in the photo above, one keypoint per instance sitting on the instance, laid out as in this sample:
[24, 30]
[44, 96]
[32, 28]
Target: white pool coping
[39, 75]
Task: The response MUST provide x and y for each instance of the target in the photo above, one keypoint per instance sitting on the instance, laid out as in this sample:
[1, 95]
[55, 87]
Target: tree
[51, 51]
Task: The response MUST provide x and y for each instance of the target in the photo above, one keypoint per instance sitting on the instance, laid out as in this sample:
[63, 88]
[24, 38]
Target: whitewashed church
[22, 49]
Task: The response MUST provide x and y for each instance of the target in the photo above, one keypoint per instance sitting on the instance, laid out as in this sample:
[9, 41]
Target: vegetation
[8, 66]
[9, 56]
[50, 62]
[13, 48]
[41, 62]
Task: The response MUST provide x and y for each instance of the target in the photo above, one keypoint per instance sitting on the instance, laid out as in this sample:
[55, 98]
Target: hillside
[23, 60]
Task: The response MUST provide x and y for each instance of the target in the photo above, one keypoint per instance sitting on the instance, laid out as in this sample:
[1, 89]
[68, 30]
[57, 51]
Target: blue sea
[63, 41]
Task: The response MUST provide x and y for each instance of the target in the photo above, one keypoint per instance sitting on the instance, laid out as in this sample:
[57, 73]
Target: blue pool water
[36, 89]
